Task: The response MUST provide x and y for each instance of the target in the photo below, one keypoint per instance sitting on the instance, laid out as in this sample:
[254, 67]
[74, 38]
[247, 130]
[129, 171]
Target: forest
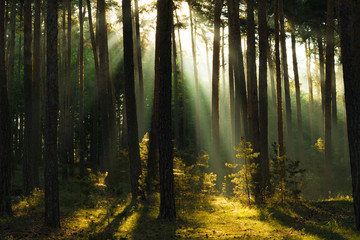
[179, 119]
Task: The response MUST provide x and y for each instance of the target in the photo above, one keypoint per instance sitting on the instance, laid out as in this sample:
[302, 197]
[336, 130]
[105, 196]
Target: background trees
[108, 98]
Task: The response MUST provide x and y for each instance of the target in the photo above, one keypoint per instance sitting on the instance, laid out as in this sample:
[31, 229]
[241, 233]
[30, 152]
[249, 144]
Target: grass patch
[91, 211]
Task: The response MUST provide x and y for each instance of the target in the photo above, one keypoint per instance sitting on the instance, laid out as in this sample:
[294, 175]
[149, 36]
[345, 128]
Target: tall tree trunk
[281, 151]
[215, 93]
[182, 86]
[328, 83]
[176, 96]
[94, 152]
[69, 110]
[237, 66]
[311, 98]
[36, 137]
[272, 73]
[289, 135]
[52, 212]
[322, 71]
[298, 99]
[10, 79]
[167, 196]
[350, 57]
[82, 147]
[253, 92]
[264, 166]
[5, 127]
[133, 144]
[28, 163]
[141, 105]
[196, 77]
[62, 102]
[334, 117]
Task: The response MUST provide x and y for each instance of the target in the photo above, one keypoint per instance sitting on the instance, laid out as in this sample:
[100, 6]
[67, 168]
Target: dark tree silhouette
[52, 212]
[5, 127]
[167, 197]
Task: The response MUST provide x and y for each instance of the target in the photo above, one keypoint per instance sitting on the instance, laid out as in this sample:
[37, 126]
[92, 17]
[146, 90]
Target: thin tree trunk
[36, 137]
[281, 151]
[197, 96]
[215, 93]
[82, 147]
[322, 71]
[5, 127]
[311, 101]
[141, 104]
[290, 140]
[298, 99]
[182, 86]
[272, 74]
[176, 97]
[28, 163]
[328, 88]
[253, 93]
[94, 152]
[52, 212]
[264, 166]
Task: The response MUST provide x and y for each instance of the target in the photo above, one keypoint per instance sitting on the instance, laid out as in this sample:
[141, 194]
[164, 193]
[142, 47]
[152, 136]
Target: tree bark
[5, 127]
[133, 143]
[253, 93]
[167, 196]
[298, 99]
[36, 136]
[28, 162]
[264, 166]
[52, 212]
[82, 147]
[311, 98]
[219, 163]
[196, 77]
[350, 58]
[328, 88]
[176, 95]
[289, 135]
[94, 152]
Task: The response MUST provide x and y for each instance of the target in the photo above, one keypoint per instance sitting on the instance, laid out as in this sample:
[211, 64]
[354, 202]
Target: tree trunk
[289, 135]
[36, 137]
[182, 87]
[322, 72]
[328, 83]
[133, 143]
[219, 163]
[94, 152]
[281, 151]
[5, 127]
[264, 166]
[350, 57]
[141, 98]
[298, 99]
[167, 196]
[311, 98]
[52, 212]
[196, 77]
[82, 147]
[29, 161]
[176, 97]
[253, 93]
[237, 63]
[69, 110]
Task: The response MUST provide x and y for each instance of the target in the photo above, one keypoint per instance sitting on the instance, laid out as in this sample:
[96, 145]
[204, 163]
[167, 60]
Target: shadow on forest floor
[324, 219]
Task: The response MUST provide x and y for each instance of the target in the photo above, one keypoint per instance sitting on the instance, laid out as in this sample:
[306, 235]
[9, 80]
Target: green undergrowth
[89, 210]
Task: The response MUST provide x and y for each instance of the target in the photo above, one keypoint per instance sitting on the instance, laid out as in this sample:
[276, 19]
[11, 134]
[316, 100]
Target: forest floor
[89, 211]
